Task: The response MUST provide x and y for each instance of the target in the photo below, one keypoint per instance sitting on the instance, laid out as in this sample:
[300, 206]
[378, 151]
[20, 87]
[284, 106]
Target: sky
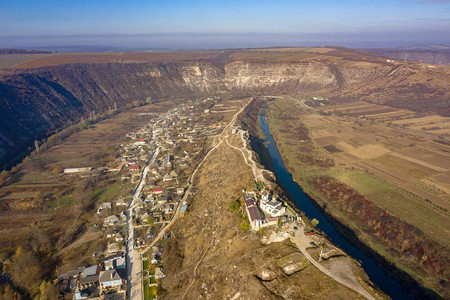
[177, 24]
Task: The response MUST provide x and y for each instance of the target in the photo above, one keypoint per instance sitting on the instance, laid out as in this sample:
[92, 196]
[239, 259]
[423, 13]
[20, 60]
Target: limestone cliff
[37, 102]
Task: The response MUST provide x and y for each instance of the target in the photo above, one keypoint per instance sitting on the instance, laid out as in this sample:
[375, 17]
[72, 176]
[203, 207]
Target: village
[158, 163]
[165, 151]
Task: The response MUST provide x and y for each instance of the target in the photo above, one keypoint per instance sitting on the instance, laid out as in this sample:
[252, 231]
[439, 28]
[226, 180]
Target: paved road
[134, 259]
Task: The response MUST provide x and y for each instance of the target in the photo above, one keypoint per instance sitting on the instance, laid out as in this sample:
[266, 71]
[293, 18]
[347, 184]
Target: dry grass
[231, 256]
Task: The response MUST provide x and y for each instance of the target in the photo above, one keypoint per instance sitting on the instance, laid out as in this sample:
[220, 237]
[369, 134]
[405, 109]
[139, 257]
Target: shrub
[235, 205]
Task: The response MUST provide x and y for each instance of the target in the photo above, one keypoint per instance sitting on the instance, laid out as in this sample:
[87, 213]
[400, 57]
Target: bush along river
[376, 274]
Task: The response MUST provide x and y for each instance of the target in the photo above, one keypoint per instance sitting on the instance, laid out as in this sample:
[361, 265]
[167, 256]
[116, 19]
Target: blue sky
[218, 24]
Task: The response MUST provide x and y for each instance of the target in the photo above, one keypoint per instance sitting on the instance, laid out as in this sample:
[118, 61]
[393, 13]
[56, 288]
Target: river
[376, 274]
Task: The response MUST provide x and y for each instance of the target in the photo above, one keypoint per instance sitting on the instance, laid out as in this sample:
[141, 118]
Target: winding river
[375, 273]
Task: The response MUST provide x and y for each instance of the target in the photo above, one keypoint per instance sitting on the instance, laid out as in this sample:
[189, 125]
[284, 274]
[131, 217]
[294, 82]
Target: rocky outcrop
[35, 103]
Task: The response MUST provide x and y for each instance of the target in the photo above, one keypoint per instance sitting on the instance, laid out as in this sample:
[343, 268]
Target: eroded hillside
[37, 102]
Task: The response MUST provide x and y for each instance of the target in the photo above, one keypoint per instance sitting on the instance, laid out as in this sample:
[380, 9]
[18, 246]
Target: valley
[145, 162]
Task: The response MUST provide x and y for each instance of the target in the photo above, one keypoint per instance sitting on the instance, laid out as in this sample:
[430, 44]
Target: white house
[77, 170]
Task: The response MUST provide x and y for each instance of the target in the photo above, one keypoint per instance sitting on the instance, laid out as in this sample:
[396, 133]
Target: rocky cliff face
[37, 102]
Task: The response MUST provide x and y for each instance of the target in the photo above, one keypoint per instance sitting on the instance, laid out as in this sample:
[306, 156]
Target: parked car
[310, 233]
[313, 244]
[295, 228]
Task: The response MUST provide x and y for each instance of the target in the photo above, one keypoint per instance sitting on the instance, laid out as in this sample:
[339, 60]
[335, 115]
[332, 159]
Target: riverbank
[344, 231]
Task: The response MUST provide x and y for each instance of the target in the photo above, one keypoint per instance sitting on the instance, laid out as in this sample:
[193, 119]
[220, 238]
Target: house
[118, 168]
[113, 247]
[183, 209]
[264, 196]
[144, 217]
[173, 174]
[121, 202]
[134, 168]
[77, 170]
[252, 210]
[159, 273]
[110, 279]
[167, 177]
[163, 198]
[141, 142]
[180, 191]
[150, 232]
[115, 263]
[156, 255]
[167, 160]
[123, 216]
[87, 282]
[274, 208]
[104, 206]
[157, 191]
[110, 232]
[119, 237]
[111, 220]
[149, 199]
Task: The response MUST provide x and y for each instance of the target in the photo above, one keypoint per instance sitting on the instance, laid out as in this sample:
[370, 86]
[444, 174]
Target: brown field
[11, 60]
[411, 161]
[109, 57]
[398, 171]
[385, 151]
[279, 54]
[320, 50]
[407, 120]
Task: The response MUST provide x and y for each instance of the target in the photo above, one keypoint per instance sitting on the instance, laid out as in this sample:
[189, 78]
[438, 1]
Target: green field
[402, 166]
[397, 202]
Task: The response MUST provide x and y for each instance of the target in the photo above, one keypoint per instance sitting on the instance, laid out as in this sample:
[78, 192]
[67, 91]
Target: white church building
[272, 206]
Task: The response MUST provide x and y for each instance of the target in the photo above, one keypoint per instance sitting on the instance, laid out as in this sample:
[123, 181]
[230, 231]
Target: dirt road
[302, 242]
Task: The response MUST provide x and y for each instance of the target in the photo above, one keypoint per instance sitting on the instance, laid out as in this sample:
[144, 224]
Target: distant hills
[23, 51]
[431, 54]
